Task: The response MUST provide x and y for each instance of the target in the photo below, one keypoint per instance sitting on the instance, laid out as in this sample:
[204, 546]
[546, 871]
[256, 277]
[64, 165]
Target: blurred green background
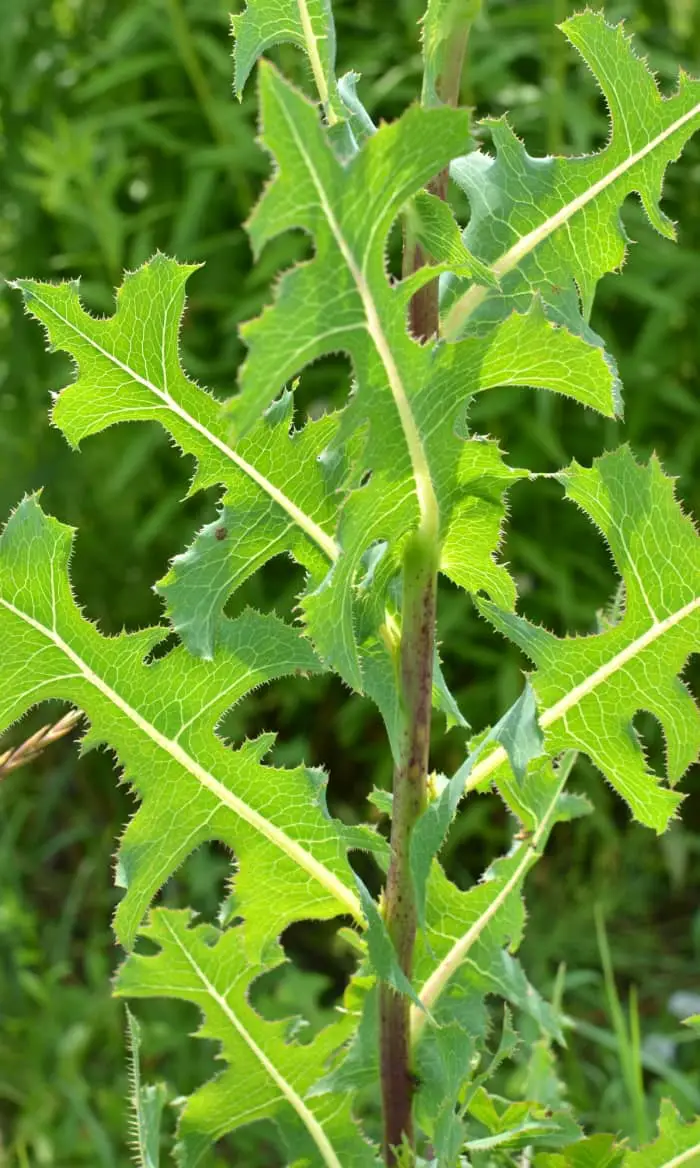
[120, 135]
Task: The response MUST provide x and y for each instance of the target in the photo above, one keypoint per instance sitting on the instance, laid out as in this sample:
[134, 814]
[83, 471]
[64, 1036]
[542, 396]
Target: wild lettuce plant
[376, 501]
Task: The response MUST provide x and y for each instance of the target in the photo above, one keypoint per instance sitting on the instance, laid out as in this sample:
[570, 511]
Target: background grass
[120, 136]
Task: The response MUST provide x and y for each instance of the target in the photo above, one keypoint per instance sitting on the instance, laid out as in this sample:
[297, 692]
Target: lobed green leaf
[159, 718]
[589, 689]
[552, 226]
[268, 1075]
[677, 1143]
[128, 369]
[305, 23]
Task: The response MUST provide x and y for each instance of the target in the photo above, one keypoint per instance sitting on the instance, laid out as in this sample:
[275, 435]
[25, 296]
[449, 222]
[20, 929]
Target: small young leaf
[359, 1065]
[147, 1103]
[519, 733]
[599, 1151]
[357, 116]
[434, 226]
[381, 949]
[498, 1123]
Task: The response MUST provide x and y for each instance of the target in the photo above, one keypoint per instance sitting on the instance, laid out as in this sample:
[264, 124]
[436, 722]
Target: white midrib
[465, 306]
[439, 978]
[683, 1158]
[425, 491]
[293, 850]
[304, 521]
[293, 1098]
[548, 717]
[315, 60]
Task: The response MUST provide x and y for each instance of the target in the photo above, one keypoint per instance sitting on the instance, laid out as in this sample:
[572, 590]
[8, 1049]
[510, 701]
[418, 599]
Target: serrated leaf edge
[463, 308]
[274, 835]
[559, 710]
[312, 529]
[425, 491]
[441, 975]
[310, 1122]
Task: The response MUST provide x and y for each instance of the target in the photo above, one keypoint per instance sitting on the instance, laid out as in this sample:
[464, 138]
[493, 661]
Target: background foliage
[120, 136]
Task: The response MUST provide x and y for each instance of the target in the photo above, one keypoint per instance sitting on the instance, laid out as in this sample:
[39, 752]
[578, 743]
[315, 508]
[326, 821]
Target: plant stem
[416, 655]
[423, 314]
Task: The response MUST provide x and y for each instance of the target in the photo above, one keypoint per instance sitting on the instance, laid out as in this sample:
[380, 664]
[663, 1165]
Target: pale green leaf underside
[590, 688]
[159, 719]
[552, 225]
[268, 1076]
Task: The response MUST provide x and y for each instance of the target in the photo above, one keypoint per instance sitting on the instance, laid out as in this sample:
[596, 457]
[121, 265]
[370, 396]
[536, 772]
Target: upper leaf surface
[128, 369]
[306, 23]
[677, 1143]
[159, 719]
[408, 400]
[552, 225]
[342, 298]
[252, 527]
[268, 1076]
[589, 688]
